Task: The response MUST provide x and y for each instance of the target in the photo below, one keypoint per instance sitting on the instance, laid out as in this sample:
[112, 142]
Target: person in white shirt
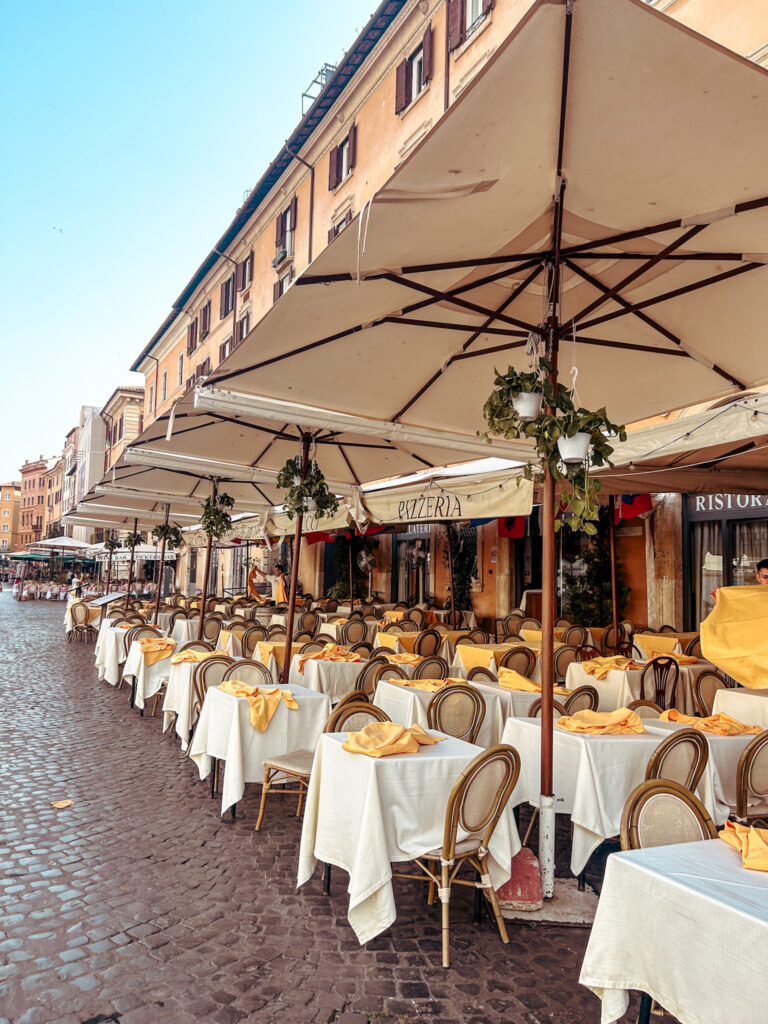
[277, 582]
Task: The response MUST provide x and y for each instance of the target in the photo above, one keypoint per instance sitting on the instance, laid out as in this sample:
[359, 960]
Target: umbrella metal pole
[206, 572]
[133, 548]
[109, 570]
[351, 588]
[162, 566]
[614, 594]
[305, 440]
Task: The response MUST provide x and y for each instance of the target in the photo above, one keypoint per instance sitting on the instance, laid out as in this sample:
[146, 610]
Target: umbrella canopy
[62, 543]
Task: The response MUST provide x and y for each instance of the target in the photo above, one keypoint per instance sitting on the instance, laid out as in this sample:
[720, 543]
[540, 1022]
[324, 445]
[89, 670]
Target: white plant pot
[311, 505]
[576, 448]
[527, 404]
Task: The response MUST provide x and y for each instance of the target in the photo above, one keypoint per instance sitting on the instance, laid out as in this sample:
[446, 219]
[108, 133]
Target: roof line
[377, 25]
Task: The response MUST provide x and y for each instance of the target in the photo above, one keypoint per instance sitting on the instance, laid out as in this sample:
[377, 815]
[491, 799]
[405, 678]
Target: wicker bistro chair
[587, 652]
[558, 709]
[610, 640]
[247, 671]
[705, 686]
[363, 648]
[662, 675]
[562, 623]
[416, 615]
[354, 716]
[693, 648]
[528, 623]
[302, 636]
[406, 626]
[311, 647]
[353, 697]
[211, 629]
[563, 658]
[645, 709]
[428, 643]
[393, 627]
[660, 812]
[481, 674]
[365, 681]
[575, 635]
[387, 671]
[666, 628]
[475, 806]
[326, 638]
[457, 710]
[583, 698]
[207, 673]
[250, 638]
[195, 645]
[276, 631]
[236, 625]
[433, 667]
[354, 631]
[510, 624]
[681, 758]
[520, 659]
[81, 627]
[752, 782]
[477, 636]
[310, 621]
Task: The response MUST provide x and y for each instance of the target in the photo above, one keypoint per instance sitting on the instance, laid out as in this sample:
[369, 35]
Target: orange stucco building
[10, 504]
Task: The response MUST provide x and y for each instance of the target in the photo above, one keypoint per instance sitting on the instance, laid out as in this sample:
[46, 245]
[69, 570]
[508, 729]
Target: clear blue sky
[129, 134]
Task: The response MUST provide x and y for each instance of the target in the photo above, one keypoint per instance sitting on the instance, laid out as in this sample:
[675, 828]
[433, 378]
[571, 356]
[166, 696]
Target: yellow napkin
[681, 659]
[263, 703]
[480, 655]
[331, 652]
[191, 656]
[752, 844]
[126, 627]
[339, 622]
[600, 667]
[155, 650]
[379, 739]
[224, 635]
[394, 615]
[267, 647]
[404, 659]
[534, 635]
[718, 725]
[387, 640]
[511, 680]
[660, 643]
[603, 723]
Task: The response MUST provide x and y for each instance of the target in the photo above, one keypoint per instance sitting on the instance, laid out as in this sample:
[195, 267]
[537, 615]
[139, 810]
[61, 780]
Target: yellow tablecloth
[600, 667]
[406, 640]
[404, 659]
[734, 636]
[752, 844]
[191, 656]
[719, 724]
[394, 614]
[662, 643]
[267, 648]
[511, 680]
[534, 635]
[481, 655]
[331, 652]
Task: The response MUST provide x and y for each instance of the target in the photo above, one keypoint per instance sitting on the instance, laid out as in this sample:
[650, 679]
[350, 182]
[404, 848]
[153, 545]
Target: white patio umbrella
[599, 190]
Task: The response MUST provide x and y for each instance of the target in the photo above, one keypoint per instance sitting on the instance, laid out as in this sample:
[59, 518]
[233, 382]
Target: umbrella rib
[680, 257]
[473, 337]
[349, 465]
[254, 426]
[440, 325]
[439, 296]
[261, 455]
[637, 272]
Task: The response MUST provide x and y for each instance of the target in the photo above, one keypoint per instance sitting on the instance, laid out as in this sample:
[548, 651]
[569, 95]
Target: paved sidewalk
[139, 904]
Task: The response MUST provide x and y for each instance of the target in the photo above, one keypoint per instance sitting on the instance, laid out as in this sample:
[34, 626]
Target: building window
[285, 231]
[180, 371]
[282, 285]
[225, 348]
[245, 273]
[338, 226]
[464, 17]
[227, 297]
[203, 369]
[151, 404]
[5, 527]
[6, 512]
[243, 325]
[476, 11]
[120, 427]
[192, 337]
[413, 74]
[205, 320]
[7, 495]
[163, 394]
[342, 159]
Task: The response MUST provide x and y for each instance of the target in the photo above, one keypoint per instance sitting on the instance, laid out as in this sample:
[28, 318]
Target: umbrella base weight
[523, 890]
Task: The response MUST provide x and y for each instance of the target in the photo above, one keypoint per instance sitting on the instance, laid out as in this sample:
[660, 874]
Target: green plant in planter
[112, 543]
[216, 520]
[559, 418]
[172, 534]
[133, 540]
[307, 494]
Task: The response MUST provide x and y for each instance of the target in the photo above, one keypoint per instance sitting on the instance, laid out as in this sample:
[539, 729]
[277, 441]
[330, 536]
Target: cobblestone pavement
[139, 904]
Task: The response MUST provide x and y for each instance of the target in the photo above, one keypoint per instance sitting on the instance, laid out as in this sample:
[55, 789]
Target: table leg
[327, 880]
[644, 1015]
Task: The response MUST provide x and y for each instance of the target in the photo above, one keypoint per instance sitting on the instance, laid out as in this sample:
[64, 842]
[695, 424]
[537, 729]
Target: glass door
[748, 546]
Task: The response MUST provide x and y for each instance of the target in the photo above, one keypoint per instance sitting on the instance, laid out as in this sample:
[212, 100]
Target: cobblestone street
[139, 904]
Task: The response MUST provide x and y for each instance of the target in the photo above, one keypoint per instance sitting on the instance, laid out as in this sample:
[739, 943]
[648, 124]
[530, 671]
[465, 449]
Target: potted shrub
[216, 520]
[308, 494]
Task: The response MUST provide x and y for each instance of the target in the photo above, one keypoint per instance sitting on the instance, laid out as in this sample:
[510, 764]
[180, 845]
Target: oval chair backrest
[365, 681]
[520, 659]
[681, 757]
[563, 658]
[353, 697]
[428, 643]
[558, 709]
[276, 633]
[752, 778]
[353, 631]
[250, 638]
[705, 686]
[481, 674]
[195, 645]
[363, 648]
[583, 698]
[457, 710]
[432, 668]
[387, 671]
[209, 673]
[302, 636]
[479, 797]
[247, 671]
[659, 812]
[511, 624]
[310, 621]
[575, 635]
[666, 628]
[175, 615]
[407, 626]
[238, 626]
[587, 652]
[693, 648]
[311, 647]
[211, 629]
[645, 709]
[529, 623]
[478, 636]
[353, 717]
[416, 615]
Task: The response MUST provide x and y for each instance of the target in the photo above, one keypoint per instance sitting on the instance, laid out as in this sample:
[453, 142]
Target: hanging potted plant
[216, 520]
[132, 540]
[524, 390]
[112, 543]
[310, 494]
[172, 535]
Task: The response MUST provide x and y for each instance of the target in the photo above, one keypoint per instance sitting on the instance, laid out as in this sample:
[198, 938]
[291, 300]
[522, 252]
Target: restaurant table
[404, 643]
[110, 652]
[230, 643]
[271, 653]
[149, 679]
[408, 706]
[334, 678]
[748, 706]
[93, 615]
[365, 813]
[330, 628]
[224, 731]
[185, 630]
[467, 656]
[593, 777]
[621, 686]
[180, 701]
[688, 925]
[663, 642]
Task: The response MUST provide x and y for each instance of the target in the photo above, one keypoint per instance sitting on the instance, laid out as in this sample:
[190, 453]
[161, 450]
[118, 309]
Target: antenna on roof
[316, 86]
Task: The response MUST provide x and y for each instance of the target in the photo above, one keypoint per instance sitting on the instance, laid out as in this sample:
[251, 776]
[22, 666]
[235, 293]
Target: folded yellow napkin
[331, 652]
[263, 703]
[271, 647]
[394, 616]
[752, 844]
[404, 659]
[718, 725]
[511, 680]
[600, 667]
[339, 622]
[681, 659]
[661, 643]
[191, 656]
[603, 723]
[379, 739]
[126, 627]
[534, 635]
[154, 650]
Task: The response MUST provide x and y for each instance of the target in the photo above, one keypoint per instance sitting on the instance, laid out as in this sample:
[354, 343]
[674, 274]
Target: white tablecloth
[224, 731]
[407, 706]
[233, 646]
[185, 630]
[180, 701]
[593, 776]
[620, 688]
[149, 678]
[110, 652]
[334, 678]
[331, 629]
[364, 813]
[686, 924]
[747, 706]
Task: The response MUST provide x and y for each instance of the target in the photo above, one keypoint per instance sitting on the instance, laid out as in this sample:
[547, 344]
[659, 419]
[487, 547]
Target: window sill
[412, 104]
[480, 27]
[283, 265]
[338, 187]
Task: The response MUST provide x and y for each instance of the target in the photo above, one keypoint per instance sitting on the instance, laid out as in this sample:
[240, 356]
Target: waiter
[277, 582]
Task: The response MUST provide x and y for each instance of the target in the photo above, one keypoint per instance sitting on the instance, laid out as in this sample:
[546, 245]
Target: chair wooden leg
[154, 706]
[327, 880]
[445, 903]
[530, 826]
[495, 904]
[302, 792]
[432, 890]
[263, 804]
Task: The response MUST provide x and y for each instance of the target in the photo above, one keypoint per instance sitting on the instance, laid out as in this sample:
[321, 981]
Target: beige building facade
[10, 505]
[123, 416]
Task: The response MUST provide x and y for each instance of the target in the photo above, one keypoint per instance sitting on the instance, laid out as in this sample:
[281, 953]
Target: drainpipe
[234, 296]
[311, 170]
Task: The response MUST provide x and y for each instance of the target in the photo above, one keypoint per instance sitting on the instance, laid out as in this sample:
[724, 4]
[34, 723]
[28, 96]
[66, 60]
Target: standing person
[277, 582]
[75, 584]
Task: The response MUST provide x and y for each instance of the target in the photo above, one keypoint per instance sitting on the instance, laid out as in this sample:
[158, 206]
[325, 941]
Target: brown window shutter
[352, 151]
[223, 301]
[456, 18]
[333, 168]
[294, 212]
[426, 49]
[402, 86]
[221, 353]
[348, 217]
[280, 232]
[250, 261]
[275, 291]
[240, 276]
[488, 6]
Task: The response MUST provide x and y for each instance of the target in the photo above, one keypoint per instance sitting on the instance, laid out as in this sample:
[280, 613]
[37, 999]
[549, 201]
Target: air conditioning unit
[282, 254]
